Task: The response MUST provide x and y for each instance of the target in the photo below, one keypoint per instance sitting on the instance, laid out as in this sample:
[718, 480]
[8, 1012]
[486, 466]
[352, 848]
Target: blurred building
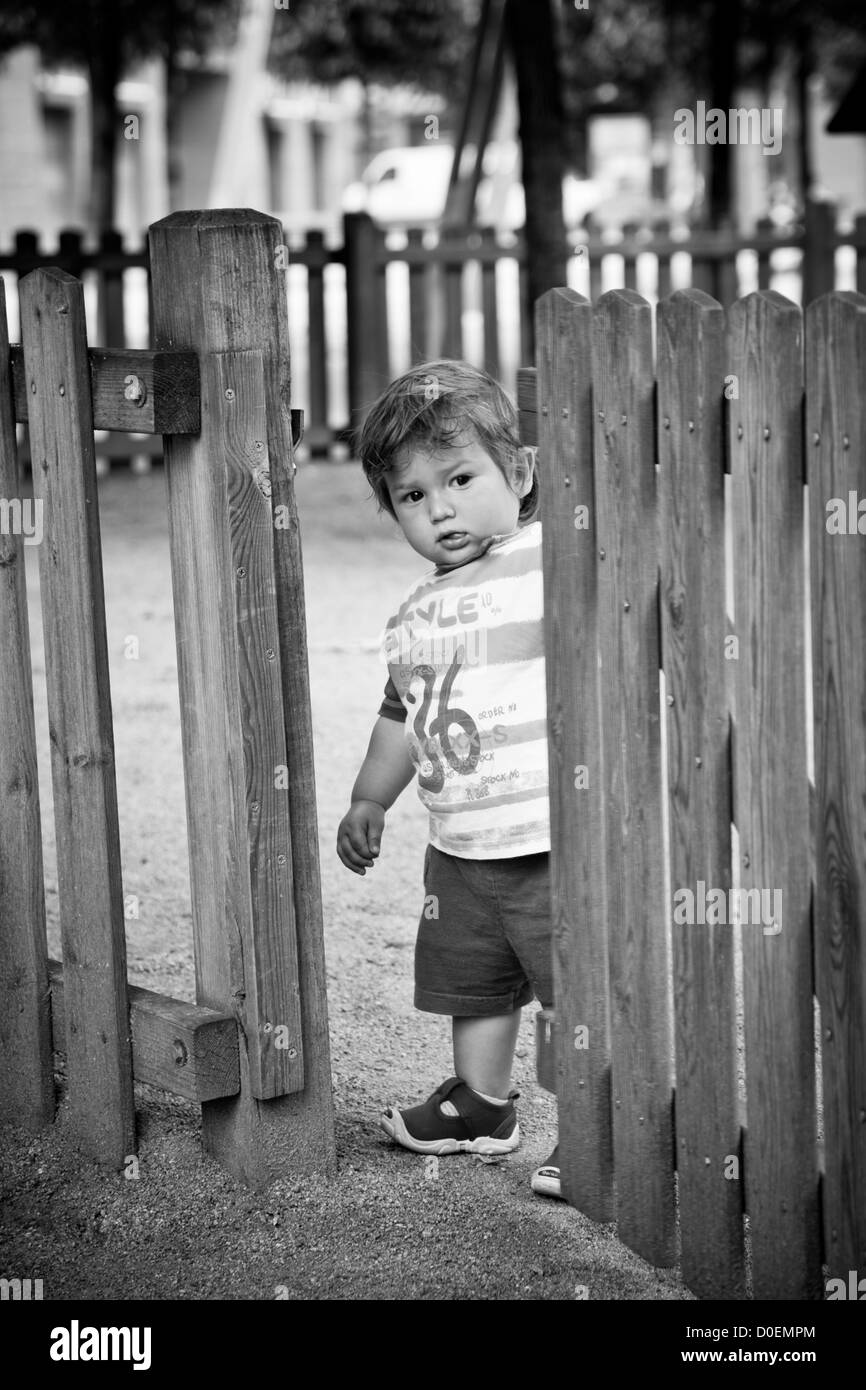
[242, 138]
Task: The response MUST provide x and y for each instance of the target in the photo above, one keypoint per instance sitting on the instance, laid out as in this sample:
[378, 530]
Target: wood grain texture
[691, 375]
[771, 808]
[26, 1077]
[836, 468]
[167, 389]
[216, 289]
[187, 1049]
[269, 1012]
[563, 328]
[633, 869]
[79, 709]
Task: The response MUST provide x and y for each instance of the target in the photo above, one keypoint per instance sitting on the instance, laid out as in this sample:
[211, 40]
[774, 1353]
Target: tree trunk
[530, 35]
[724, 36]
[175, 85]
[105, 72]
[802, 73]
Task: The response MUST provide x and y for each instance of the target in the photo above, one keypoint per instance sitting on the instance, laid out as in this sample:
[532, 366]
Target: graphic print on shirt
[431, 774]
[465, 657]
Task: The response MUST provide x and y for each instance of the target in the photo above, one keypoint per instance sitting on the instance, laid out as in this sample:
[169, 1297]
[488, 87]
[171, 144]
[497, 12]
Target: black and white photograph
[432, 537]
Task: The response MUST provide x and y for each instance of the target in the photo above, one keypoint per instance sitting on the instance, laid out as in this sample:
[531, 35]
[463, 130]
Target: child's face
[450, 502]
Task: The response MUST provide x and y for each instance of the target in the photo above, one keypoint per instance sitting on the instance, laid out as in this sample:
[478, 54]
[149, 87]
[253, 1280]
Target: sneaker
[477, 1128]
[545, 1180]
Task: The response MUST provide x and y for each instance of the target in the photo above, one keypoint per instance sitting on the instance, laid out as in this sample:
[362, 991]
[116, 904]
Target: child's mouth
[453, 539]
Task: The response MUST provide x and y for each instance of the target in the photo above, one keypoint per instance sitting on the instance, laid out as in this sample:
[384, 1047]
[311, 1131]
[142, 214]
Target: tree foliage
[423, 43]
[71, 31]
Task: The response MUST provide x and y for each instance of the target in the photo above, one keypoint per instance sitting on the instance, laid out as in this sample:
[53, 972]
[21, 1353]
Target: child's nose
[440, 508]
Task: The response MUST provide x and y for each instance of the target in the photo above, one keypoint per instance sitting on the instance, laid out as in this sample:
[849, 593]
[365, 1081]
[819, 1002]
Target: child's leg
[484, 1051]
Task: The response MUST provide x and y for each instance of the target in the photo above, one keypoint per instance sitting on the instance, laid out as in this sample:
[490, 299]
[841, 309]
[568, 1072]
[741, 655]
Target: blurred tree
[423, 43]
[531, 38]
[658, 55]
[105, 37]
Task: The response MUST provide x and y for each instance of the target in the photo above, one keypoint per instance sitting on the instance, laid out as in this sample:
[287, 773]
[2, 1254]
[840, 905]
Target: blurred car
[408, 186]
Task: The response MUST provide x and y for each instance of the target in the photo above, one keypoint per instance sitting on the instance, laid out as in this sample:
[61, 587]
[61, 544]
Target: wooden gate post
[219, 289]
[367, 313]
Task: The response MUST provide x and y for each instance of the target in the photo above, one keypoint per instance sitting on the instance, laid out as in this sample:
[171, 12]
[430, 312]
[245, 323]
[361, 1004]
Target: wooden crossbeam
[132, 390]
[187, 1049]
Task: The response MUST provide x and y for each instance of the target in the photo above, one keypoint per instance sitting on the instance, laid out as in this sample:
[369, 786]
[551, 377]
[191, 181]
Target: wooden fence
[364, 311]
[709, 1057]
[254, 1048]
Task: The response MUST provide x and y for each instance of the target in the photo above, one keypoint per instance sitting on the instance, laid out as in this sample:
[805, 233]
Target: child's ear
[524, 469]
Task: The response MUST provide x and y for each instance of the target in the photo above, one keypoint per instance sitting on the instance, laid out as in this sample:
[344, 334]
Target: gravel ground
[389, 1226]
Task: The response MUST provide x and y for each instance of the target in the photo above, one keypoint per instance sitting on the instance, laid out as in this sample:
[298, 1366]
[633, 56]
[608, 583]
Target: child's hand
[360, 834]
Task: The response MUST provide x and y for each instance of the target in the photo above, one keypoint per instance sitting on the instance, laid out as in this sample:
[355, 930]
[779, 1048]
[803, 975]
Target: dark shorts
[489, 950]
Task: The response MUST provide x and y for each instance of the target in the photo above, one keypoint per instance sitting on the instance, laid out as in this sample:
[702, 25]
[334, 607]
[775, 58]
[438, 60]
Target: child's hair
[435, 406]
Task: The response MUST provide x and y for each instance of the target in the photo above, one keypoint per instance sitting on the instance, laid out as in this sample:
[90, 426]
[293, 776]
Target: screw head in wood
[766, 431]
[670, 699]
[230, 395]
[623, 419]
[699, 762]
[63, 390]
[567, 482]
[667, 422]
[846, 442]
[816, 438]
[626, 606]
[565, 412]
[746, 861]
[691, 426]
[601, 415]
[739, 431]
[270, 653]
[240, 572]
[601, 555]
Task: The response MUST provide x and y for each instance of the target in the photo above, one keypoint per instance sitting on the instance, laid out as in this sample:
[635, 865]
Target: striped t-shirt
[465, 655]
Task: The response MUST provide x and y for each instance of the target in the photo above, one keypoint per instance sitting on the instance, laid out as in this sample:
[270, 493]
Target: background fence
[705, 565]
[254, 1048]
[364, 311]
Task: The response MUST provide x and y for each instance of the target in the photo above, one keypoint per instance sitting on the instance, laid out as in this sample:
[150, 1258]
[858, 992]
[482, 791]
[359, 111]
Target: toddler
[464, 709]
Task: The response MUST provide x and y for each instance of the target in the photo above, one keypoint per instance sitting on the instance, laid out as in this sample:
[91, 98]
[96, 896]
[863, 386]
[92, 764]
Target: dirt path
[386, 1228]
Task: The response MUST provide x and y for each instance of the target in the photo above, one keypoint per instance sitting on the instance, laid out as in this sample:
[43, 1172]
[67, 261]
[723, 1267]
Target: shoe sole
[395, 1128]
[546, 1186]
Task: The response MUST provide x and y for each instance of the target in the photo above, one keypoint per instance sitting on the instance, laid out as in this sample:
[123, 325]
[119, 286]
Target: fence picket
[26, 1076]
[691, 373]
[79, 702]
[836, 450]
[577, 865]
[771, 808]
[629, 645]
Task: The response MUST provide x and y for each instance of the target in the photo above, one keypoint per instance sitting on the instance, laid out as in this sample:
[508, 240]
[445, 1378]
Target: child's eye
[410, 496]
[462, 478]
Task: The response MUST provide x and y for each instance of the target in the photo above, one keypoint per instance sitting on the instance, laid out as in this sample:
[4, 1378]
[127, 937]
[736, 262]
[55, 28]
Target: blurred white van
[407, 187]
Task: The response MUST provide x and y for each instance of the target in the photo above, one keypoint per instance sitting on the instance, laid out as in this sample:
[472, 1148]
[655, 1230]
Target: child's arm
[385, 772]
